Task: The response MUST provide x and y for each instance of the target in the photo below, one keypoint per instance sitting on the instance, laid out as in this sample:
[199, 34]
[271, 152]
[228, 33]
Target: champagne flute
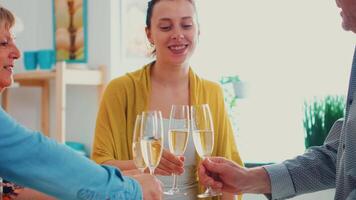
[136, 145]
[203, 136]
[178, 134]
[151, 138]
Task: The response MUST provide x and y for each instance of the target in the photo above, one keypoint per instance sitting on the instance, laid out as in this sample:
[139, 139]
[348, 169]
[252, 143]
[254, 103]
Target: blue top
[30, 159]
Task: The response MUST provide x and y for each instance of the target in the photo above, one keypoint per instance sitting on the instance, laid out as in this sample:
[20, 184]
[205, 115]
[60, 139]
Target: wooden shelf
[35, 75]
[62, 77]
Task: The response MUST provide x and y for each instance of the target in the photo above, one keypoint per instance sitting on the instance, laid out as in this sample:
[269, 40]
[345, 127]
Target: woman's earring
[151, 49]
[150, 46]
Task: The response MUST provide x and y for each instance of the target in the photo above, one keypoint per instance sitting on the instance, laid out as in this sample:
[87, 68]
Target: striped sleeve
[281, 181]
[313, 171]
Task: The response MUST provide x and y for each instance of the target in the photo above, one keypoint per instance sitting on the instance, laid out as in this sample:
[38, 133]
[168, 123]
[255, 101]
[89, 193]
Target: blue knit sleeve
[30, 159]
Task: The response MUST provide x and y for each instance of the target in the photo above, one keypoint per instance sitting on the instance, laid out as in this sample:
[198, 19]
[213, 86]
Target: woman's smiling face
[8, 54]
[173, 30]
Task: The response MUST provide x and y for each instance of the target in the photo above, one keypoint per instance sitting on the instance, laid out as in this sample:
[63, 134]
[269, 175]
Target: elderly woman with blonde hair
[35, 161]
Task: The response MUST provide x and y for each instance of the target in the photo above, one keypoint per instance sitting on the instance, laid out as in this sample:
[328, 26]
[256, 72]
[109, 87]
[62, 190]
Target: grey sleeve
[313, 171]
[281, 182]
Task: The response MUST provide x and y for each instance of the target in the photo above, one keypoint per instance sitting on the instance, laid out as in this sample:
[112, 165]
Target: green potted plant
[319, 116]
[238, 89]
[231, 96]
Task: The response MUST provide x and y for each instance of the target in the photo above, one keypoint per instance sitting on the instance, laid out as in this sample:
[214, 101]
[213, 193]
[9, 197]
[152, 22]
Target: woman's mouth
[178, 49]
[9, 68]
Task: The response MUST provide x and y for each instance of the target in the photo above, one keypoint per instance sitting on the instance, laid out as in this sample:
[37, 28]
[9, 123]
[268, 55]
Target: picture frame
[70, 30]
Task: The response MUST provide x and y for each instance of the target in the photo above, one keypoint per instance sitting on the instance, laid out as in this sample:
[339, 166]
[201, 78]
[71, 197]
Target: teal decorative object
[319, 116]
[77, 147]
[46, 59]
[30, 60]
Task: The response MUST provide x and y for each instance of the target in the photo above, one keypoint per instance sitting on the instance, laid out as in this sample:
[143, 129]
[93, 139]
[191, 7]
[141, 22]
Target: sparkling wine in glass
[178, 134]
[151, 138]
[203, 136]
[136, 145]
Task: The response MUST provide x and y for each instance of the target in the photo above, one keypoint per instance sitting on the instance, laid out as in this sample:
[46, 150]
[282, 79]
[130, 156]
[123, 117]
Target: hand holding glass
[178, 134]
[203, 136]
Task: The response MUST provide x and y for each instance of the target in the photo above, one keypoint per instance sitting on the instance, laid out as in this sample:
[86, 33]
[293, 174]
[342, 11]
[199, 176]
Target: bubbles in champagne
[178, 140]
[203, 142]
[151, 151]
[137, 155]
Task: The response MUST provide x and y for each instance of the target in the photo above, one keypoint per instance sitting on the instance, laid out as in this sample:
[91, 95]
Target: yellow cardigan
[128, 95]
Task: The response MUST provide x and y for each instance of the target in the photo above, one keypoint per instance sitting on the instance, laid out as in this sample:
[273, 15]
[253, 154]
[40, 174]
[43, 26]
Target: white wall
[286, 51]
[38, 34]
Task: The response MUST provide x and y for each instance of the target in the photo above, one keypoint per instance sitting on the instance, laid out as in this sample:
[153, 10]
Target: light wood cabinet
[62, 77]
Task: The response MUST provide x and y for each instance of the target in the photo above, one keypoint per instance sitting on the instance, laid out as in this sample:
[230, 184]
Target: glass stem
[142, 170]
[175, 178]
[209, 190]
[152, 171]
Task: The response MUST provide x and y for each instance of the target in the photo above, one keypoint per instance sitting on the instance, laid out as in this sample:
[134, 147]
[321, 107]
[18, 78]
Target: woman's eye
[187, 26]
[165, 28]
[3, 43]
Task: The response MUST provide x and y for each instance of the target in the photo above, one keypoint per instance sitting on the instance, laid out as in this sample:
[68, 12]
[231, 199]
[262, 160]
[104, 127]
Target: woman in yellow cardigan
[172, 28]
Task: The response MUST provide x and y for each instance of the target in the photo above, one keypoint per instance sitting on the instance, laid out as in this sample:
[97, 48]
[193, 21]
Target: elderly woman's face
[8, 54]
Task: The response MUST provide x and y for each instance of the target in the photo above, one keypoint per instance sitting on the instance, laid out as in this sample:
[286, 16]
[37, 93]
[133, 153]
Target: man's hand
[151, 186]
[225, 175]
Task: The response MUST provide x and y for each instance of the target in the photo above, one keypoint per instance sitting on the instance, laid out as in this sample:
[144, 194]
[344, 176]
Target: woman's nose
[15, 53]
[177, 36]
[338, 3]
